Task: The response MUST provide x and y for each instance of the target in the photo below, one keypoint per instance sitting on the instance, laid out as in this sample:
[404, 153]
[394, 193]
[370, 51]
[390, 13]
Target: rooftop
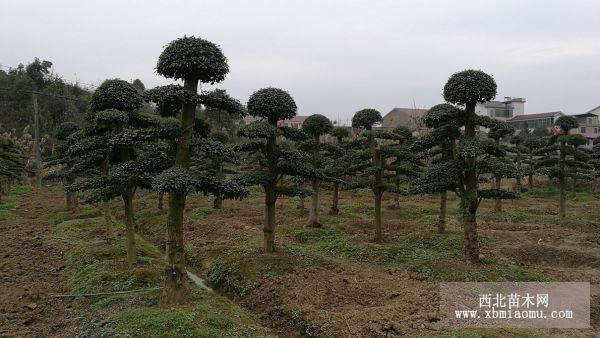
[535, 116]
[412, 112]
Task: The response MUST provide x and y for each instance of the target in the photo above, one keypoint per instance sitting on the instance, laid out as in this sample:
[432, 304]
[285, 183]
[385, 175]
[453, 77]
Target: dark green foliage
[218, 99]
[317, 125]
[193, 58]
[470, 86]
[366, 118]
[566, 123]
[12, 160]
[272, 104]
[17, 109]
[115, 94]
[443, 114]
[340, 133]
[170, 98]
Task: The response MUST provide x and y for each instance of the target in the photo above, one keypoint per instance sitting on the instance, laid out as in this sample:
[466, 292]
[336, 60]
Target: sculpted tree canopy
[192, 60]
[268, 160]
[316, 126]
[366, 118]
[467, 88]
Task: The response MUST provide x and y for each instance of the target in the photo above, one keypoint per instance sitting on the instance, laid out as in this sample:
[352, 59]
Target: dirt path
[31, 272]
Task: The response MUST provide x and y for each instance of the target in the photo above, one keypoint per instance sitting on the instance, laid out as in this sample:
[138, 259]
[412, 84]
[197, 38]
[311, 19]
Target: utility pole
[36, 142]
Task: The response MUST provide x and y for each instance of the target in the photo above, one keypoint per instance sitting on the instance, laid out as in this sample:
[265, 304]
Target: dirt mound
[555, 256]
[347, 301]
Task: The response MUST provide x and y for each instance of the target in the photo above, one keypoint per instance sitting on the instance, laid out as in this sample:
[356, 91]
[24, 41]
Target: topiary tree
[315, 126]
[62, 162]
[338, 166]
[467, 88]
[215, 152]
[562, 160]
[273, 160]
[371, 160]
[193, 60]
[443, 121]
[595, 160]
[405, 163]
[131, 155]
[580, 154]
[12, 162]
[498, 164]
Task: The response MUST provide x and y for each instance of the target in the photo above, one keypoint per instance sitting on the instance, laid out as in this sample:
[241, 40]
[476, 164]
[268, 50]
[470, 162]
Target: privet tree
[193, 60]
[215, 152]
[315, 126]
[12, 162]
[273, 160]
[562, 160]
[499, 165]
[372, 161]
[405, 163]
[62, 162]
[443, 121]
[595, 160]
[131, 154]
[467, 88]
[582, 155]
[338, 166]
[532, 142]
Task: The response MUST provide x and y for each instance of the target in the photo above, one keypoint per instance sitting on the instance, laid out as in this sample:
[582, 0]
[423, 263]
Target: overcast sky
[334, 57]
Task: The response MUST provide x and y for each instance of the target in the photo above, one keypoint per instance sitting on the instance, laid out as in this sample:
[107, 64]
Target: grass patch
[11, 200]
[200, 212]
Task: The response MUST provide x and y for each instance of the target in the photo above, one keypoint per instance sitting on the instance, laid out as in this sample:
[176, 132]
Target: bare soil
[31, 272]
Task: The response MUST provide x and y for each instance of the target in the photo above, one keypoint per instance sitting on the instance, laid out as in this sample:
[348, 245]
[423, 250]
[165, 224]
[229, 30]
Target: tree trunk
[218, 201]
[301, 203]
[129, 228]
[497, 201]
[269, 228]
[175, 270]
[563, 182]
[519, 184]
[530, 182]
[574, 187]
[469, 197]
[313, 216]
[270, 197]
[378, 225]
[334, 203]
[106, 206]
[160, 200]
[441, 225]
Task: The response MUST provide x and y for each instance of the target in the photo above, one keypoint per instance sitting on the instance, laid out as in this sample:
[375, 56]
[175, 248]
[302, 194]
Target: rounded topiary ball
[366, 118]
[566, 123]
[219, 136]
[577, 140]
[193, 58]
[317, 125]
[273, 104]
[218, 99]
[470, 86]
[115, 94]
[65, 129]
[340, 132]
[403, 133]
[500, 130]
[441, 114]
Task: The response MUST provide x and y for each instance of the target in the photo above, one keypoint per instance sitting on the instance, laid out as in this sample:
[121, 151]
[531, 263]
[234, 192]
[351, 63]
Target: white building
[502, 110]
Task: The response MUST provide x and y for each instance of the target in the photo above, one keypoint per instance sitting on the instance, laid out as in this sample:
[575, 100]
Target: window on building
[502, 113]
[582, 130]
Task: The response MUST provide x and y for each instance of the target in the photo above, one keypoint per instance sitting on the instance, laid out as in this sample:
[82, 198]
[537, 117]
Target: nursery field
[331, 281]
